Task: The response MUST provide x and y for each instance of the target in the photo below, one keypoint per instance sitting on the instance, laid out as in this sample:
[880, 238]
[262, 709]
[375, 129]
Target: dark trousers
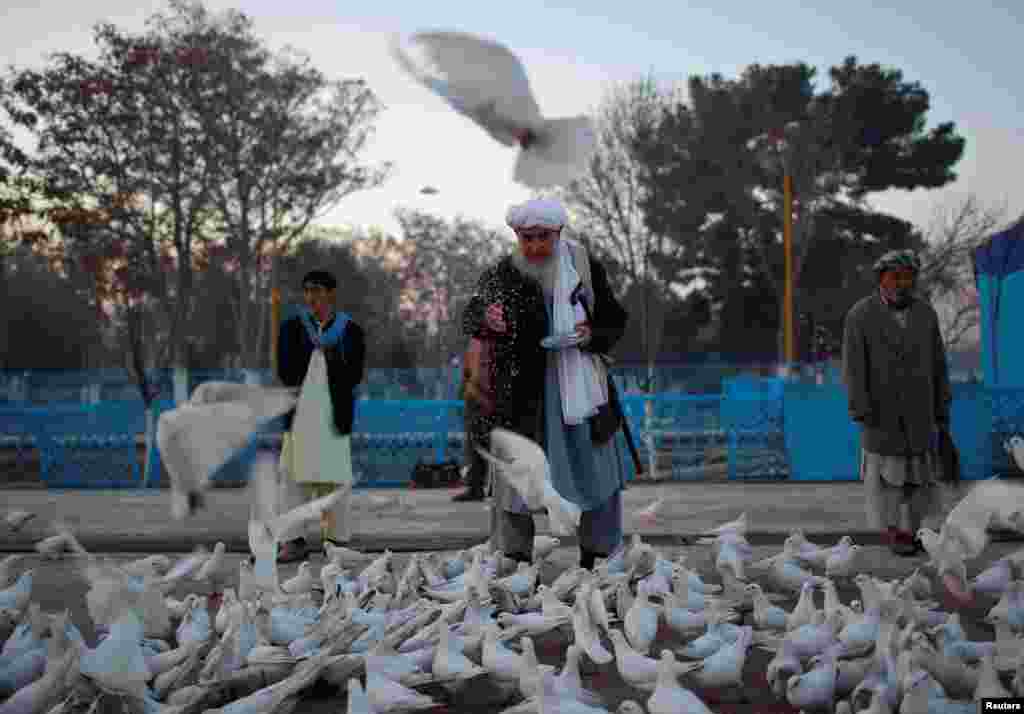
[477, 473]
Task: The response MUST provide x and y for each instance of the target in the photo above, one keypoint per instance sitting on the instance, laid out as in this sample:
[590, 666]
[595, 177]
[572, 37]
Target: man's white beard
[543, 272]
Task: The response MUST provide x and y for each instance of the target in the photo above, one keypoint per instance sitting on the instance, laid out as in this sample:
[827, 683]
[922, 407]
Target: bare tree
[605, 203]
[440, 270]
[947, 274]
[285, 141]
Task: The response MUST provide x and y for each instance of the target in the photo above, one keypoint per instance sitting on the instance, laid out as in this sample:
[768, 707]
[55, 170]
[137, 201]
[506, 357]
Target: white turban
[537, 212]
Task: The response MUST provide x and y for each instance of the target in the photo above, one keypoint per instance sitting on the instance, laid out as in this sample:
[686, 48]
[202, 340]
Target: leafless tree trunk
[606, 201]
[947, 274]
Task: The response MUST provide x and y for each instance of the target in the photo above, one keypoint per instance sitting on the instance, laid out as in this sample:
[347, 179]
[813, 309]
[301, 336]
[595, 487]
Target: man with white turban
[549, 396]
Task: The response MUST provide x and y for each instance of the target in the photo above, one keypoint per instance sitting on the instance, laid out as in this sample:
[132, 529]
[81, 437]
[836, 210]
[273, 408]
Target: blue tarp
[999, 276]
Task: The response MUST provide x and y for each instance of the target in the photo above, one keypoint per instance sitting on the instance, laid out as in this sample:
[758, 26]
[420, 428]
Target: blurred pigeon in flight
[201, 435]
[484, 81]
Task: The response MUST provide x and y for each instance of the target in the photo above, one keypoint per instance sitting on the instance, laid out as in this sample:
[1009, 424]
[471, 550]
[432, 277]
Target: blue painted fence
[754, 429]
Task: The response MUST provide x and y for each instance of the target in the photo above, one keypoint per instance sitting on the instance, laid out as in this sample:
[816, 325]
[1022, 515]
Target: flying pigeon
[522, 463]
[484, 81]
[201, 435]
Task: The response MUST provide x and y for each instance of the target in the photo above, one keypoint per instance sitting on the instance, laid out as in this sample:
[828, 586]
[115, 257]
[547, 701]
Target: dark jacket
[346, 367]
[896, 377]
[520, 362]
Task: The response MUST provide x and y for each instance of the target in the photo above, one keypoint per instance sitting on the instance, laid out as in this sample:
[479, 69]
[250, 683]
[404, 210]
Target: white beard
[544, 273]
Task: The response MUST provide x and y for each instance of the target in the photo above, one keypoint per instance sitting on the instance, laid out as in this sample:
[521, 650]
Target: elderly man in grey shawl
[894, 366]
[549, 396]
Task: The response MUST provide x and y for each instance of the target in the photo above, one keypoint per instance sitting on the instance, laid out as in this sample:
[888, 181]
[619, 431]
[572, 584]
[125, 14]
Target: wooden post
[788, 251]
[275, 326]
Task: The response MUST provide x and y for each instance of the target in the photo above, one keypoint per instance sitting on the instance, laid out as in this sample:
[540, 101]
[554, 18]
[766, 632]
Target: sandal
[903, 544]
[292, 551]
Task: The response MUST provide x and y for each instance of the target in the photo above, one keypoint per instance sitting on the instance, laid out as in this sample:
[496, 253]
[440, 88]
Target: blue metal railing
[755, 428]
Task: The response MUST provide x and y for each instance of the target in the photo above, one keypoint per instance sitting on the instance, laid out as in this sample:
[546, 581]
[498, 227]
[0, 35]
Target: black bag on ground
[442, 475]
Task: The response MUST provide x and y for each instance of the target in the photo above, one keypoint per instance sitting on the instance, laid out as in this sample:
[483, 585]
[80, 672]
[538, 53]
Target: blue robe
[588, 475]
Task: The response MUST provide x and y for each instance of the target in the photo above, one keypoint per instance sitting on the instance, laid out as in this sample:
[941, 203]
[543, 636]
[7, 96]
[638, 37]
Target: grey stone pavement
[132, 521]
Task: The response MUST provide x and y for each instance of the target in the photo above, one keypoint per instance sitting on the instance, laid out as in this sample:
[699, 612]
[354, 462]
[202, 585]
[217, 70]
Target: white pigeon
[964, 535]
[725, 666]
[484, 81]
[815, 689]
[7, 569]
[16, 597]
[523, 464]
[199, 436]
[585, 633]
[1015, 447]
[386, 695]
[499, 660]
[738, 526]
[569, 681]
[358, 701]
[186, 566]
[302, 582]
[769, 616]
[641, 621]
[339, 554]
[45, 692]
[733, 553]
[449, 661]
[543, 546]
[16, 519]
[669, 696]
[531, 673]
[265, 535]
[648, 515]
[53, 547]
[212, 570]
[151, 565]
[842, 561]
[117, 663]
[637, 670]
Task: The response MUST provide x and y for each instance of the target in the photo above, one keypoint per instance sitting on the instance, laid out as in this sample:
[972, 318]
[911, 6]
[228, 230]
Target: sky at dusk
[962, 54]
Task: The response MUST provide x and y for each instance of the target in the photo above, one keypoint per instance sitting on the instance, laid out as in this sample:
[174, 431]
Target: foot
[470, 494]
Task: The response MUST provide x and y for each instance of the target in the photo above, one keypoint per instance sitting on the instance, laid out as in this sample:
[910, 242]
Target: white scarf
[579, 384]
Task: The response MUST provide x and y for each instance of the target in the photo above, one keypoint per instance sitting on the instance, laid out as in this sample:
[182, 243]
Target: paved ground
[133, 521]
[57, 585]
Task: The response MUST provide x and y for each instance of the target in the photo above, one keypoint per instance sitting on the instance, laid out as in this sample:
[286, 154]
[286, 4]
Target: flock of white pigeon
[387, 638]
[384, 637]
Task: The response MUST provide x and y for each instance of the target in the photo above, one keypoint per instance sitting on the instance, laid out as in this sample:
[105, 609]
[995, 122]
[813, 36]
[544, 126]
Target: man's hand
[583, 330]
[495, 318]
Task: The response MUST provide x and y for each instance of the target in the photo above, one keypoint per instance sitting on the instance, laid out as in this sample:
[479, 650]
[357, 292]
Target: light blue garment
[587, 475]
[329, 338]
